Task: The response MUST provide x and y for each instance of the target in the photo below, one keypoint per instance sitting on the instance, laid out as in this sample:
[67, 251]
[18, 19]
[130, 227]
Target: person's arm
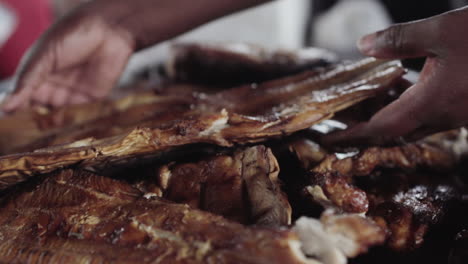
[152, 21]
[82, 56]
[438, 101]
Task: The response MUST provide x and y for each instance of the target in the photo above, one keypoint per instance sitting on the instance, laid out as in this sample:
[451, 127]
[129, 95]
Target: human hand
[438, 101]
[81, 57]
[78, 60]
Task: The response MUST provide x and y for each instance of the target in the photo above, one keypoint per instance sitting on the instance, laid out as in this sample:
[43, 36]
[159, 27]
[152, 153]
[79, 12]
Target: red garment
[33, 18]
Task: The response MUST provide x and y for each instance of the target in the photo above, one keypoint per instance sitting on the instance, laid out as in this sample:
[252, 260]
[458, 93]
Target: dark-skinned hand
[78, 60]
[438, 101]
[83, 55]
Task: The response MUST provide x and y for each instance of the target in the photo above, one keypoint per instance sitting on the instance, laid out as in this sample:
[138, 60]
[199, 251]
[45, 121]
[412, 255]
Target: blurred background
[335, 25]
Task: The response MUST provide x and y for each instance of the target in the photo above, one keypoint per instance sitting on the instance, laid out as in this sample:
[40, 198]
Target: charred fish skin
[239, 63]
[401, 188]
[331, 91]
[177, 175]
[242, 186]
[75, 216]
[64, 208]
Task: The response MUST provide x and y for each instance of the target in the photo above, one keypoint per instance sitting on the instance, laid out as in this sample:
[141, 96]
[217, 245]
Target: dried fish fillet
[242, 186]
[410, 156]
[39, 127]
[315, 98]
[76, 217]
[270, 103]
[406, 190]
[239, 63]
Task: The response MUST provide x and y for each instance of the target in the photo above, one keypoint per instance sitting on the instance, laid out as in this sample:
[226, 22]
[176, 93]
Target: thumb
[407, 40]
[398, 119]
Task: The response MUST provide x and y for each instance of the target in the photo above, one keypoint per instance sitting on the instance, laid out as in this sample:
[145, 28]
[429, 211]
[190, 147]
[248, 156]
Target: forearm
[153, 21]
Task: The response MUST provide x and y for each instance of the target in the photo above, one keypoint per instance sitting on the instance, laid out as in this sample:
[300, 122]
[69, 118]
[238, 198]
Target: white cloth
[340, 28]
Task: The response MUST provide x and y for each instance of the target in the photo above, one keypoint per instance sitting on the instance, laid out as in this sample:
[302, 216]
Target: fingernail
[9, 104]
[366, 44]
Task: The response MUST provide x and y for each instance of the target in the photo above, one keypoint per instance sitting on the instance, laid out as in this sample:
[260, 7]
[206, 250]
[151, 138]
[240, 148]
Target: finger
[407, 40]
[104, 70]
[422, 132]
[12, 103]
[59, 97]
[402, 85]
[23, 93]
[17, 101]
[401, 117]
[362, 135]
[42, 95]
[348, 137]
[34, 65]
[79, 98]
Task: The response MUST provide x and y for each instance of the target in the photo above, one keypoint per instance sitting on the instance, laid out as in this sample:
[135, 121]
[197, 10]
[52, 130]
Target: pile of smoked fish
[223, 163]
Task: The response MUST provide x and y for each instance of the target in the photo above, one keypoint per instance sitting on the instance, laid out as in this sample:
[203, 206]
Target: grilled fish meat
[74, 216]
[406, 190]
[242, 186]
[277, 108]
[341, 236]
[238, 63]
